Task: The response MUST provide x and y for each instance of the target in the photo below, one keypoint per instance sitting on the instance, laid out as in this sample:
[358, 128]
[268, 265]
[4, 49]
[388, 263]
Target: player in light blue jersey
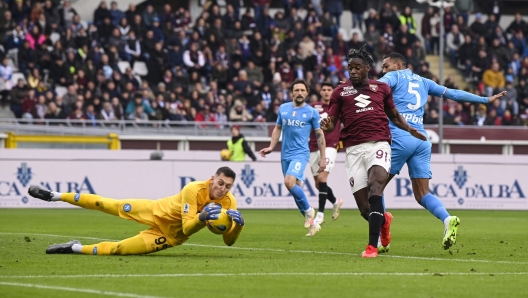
[410, 92]
[295, 121]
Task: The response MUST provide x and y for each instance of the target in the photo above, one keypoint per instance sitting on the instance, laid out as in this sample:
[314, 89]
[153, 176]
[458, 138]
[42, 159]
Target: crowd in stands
[236, 63]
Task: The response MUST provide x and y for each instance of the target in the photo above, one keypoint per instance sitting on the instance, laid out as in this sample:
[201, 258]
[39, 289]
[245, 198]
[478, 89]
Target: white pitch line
[89, 291]
[353, 254]
[294, 251]
[261, 274]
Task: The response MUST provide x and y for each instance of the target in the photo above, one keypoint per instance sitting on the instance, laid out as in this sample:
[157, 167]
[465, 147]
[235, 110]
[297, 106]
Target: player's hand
[325, 123]
[210, 212]
[496, 96]
[415, 133]
[322, 165]
[265, 151]
[236, 216]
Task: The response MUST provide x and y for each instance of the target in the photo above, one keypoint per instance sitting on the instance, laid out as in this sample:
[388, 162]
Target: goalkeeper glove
[236, 216]
[210, 212]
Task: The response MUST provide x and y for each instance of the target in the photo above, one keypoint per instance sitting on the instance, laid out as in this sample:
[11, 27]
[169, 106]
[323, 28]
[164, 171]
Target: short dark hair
[327, 84]
[396, 57]
[299, 81]
[361, 54]
[226, 171]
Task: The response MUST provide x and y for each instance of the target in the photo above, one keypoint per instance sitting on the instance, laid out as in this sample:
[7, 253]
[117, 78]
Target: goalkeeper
[172, 220]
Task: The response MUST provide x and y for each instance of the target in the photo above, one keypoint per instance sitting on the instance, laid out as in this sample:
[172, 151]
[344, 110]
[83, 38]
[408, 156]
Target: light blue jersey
[297, 124]
[410, 93]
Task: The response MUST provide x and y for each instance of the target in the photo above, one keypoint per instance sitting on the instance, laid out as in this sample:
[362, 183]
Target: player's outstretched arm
[232, 235]
[328, 123]
[459, 95]
[401, 123]
[275, 135]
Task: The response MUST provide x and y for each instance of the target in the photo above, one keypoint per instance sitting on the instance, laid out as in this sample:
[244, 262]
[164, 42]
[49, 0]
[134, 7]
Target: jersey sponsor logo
[362, 100]
[347, 88]
[348, 92]
[292, 122]
[373, 87]
[127, 207]
[413, 118]
[186, 208]
[284, 113]
[318, 108]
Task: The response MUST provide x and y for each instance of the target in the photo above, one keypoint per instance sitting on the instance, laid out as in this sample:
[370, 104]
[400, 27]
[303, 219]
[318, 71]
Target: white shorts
[360, 158]
[315, 157]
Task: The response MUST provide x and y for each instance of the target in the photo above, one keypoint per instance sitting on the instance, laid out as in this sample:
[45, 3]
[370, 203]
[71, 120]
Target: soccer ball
[225, 154]
[220, 225]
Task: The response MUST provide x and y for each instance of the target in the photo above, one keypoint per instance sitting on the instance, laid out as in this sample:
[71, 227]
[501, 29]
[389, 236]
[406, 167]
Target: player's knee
[289, 183]
[375, 188]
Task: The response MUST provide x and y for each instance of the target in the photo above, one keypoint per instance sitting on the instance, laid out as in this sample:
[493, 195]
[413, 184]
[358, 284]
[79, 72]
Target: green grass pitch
[272, 258]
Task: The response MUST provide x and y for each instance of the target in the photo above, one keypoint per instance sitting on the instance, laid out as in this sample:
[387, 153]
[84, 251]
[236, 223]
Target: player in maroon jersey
[332, 141]
[363, 106]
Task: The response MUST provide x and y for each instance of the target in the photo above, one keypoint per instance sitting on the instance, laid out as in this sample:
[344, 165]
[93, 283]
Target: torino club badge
[373, 87]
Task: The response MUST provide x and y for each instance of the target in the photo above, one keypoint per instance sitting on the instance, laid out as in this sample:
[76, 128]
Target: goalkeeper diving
[172, 220]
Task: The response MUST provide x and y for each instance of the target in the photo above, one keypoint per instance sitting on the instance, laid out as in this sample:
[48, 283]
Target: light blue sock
[434, 206]
[300, 198]
[383, 202]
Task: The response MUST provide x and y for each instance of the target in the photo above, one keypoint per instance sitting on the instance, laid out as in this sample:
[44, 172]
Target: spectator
[138, 115]
[454, 40]
[493, 79]
[427, 28]
[54, 113]
[517, 25]
[101, 13]
[206, 115]
[358, 8]
[478, 28]
[407, 19]
[66, 14]
[464, 8]
[509, 101]
[148, 16]
[238, 113]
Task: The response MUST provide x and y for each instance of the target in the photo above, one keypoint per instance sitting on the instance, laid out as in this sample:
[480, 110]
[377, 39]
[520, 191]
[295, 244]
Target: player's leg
[420, 173]
[139, 210]
[148, 241]
[378, 164]
[295, 174]
[315, 157]
[331, 154]
[357, 177]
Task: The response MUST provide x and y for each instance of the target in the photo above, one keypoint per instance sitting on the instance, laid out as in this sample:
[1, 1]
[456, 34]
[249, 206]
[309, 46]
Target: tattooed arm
[321, 143]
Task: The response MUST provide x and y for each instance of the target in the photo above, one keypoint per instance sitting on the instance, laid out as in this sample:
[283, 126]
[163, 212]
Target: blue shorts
[416, 153]
[294, 168]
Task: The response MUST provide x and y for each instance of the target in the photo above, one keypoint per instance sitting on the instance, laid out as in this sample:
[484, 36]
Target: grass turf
[272, 258]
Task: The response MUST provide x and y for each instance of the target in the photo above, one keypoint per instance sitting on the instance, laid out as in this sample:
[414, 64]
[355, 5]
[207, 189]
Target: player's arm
[275, 135]
[248, 150]
[321, 143]
[231, 236]
[190, 216]
[459, 95]
[192, 221]
[328, 124]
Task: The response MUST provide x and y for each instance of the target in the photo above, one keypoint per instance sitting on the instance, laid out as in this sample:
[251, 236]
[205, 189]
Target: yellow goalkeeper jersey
[177, 215]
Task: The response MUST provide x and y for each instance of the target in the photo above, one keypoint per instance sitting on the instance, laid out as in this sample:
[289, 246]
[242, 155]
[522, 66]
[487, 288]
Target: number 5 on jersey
[412, 90]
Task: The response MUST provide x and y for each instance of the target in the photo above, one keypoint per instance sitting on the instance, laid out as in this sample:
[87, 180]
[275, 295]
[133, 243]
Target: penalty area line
[67, 289]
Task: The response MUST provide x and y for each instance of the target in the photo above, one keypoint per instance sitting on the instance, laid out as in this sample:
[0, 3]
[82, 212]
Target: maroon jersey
[331, 138]
[362, 111]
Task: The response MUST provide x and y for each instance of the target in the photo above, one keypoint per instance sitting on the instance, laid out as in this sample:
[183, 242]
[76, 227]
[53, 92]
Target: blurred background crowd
[235, 62]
